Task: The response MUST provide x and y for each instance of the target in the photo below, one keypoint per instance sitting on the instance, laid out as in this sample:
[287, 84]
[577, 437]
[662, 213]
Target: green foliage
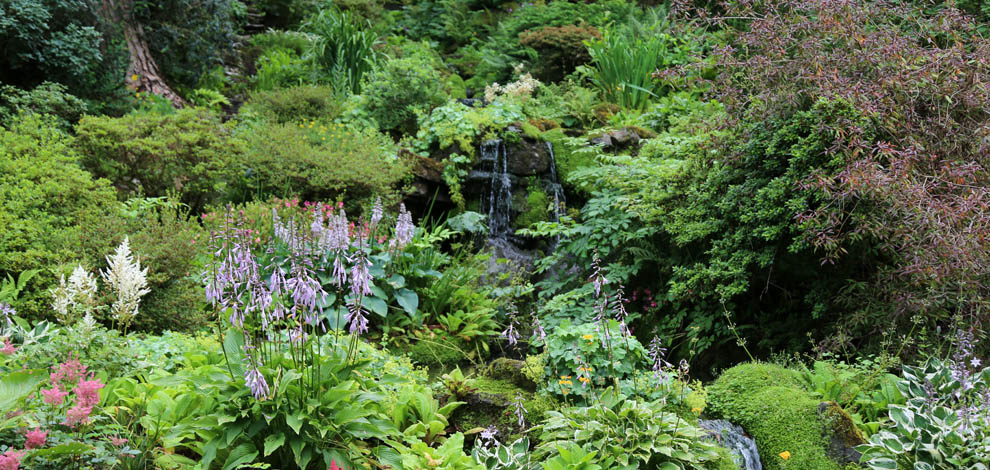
[455, 123]
[58, 41]
[189, 153]
[514, 456]
[560, 49]
[281, 68]
[456, 384]
[319, 162]
[305, 103]
[167, 240]
[401, 90]
[571, 349]
[46, 98]
[622, 65]
[941, 426]
[628, 433]
[503, 50]
[446, 23]
[536, 209]
[770, 402]
[188, 38]
[342, 47]
[448, 456]
[45, 199]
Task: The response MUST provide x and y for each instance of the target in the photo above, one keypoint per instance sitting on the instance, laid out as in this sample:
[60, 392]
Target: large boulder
[842, 432]
[527, 157]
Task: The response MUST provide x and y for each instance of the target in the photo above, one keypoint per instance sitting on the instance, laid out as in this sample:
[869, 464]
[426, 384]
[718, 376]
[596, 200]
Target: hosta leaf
[273, 442]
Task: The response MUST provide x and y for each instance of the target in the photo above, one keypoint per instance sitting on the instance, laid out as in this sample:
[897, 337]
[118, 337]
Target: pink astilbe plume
[8, 347]
[77, 415]
[11, 460]
[88, 392]
[54, 395]
[35, 439]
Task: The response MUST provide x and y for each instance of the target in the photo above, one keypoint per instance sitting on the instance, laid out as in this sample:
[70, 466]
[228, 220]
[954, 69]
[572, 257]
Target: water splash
[734, 438]
[555, 186]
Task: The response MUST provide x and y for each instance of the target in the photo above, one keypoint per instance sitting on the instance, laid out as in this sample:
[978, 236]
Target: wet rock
[528, 158]
[624, 138]
[843, 434]
[425, 168]
[604, 140]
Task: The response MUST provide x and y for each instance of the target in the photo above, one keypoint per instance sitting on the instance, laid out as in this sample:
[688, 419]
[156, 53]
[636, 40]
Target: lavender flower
[255, 380]
[519, 410]
[538, 329]
[619, 307]
[598, 279]
[487, 438]
[511, 333]
[404, 228]
[658, 356]
[376, 214]
[361, 274]
[356, 319]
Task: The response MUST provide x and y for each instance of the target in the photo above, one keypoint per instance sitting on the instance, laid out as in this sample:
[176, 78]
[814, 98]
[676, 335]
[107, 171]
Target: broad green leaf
[408, 300]
[15, 385]
[273, 442]
[242, 454]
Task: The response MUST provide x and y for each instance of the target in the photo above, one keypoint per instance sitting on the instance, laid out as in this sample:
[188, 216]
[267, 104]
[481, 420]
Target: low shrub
[189, 153]
[294, 104]
[320, 162]
[47, 98]
[401, 90]
[560, 49]
[45, 197]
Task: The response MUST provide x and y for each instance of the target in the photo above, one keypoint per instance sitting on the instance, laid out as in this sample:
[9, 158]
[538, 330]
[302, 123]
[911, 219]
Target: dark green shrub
[44, 198]
[560, 49]
[319, 162]
[47, 98]
[769, 402]
[401, 90]
[58, 41]
[188, 152]
[297, 104]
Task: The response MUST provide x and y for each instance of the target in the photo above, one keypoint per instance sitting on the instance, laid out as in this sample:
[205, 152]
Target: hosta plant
[627, 434]
[945, 423]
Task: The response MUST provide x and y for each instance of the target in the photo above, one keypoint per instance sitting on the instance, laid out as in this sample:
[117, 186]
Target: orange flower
[785, 455]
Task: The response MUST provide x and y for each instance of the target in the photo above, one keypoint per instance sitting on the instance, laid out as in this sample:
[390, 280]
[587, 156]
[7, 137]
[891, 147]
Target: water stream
[735, 439]
[499, 191]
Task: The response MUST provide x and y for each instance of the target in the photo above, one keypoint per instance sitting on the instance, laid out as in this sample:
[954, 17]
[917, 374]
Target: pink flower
[77, 415]
[54, 396]
[70, 371]
[118, 441]
[8, 347]
[35, 439]
[88, 392]
[333, 465]
[11, 460]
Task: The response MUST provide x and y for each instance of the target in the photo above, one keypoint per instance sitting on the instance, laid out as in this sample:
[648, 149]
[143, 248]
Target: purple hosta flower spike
[404, 228]
[358, 323]
[658, 355]
[538, 329]
[619, 307]
[376, 214]
[317, 226]
[511, 333]
[488, 439]
[361, 274]
[961, 360]
[253, 377]
[598, 279]
[519, 409]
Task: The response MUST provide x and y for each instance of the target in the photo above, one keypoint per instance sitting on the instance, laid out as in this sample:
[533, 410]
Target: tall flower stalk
[127, 281]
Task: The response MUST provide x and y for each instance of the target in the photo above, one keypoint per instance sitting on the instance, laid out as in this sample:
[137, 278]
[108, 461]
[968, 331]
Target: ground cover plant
[486, 234]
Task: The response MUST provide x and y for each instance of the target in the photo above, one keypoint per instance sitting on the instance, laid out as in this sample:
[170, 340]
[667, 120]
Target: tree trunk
[142, 74]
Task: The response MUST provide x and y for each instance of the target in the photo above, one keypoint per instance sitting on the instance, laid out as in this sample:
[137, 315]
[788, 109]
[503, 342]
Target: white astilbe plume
[62, 301]
[82, 287]
[127, 281]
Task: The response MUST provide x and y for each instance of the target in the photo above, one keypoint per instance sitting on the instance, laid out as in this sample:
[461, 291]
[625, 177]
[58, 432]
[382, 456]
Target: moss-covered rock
[512, 371]
[843, 434]
[535, 207]
[438, 350]
[493, 405]
[566, 155]
[770, 402]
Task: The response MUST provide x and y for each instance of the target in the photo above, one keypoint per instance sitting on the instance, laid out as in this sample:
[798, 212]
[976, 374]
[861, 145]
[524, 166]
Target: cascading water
[499, 191]
[735, 439]
[555, 187]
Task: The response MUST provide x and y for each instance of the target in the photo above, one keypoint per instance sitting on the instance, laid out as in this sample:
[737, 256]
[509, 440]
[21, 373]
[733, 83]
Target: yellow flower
[564, 382]
[134, 78]
[785, 455]
[696, 411]
[584, 379]
[588, 337]
[565, 376]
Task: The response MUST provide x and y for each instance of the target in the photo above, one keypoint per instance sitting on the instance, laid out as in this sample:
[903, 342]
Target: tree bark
[142, 73]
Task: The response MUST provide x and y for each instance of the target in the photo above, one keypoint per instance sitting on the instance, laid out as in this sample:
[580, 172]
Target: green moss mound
[770, 402]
